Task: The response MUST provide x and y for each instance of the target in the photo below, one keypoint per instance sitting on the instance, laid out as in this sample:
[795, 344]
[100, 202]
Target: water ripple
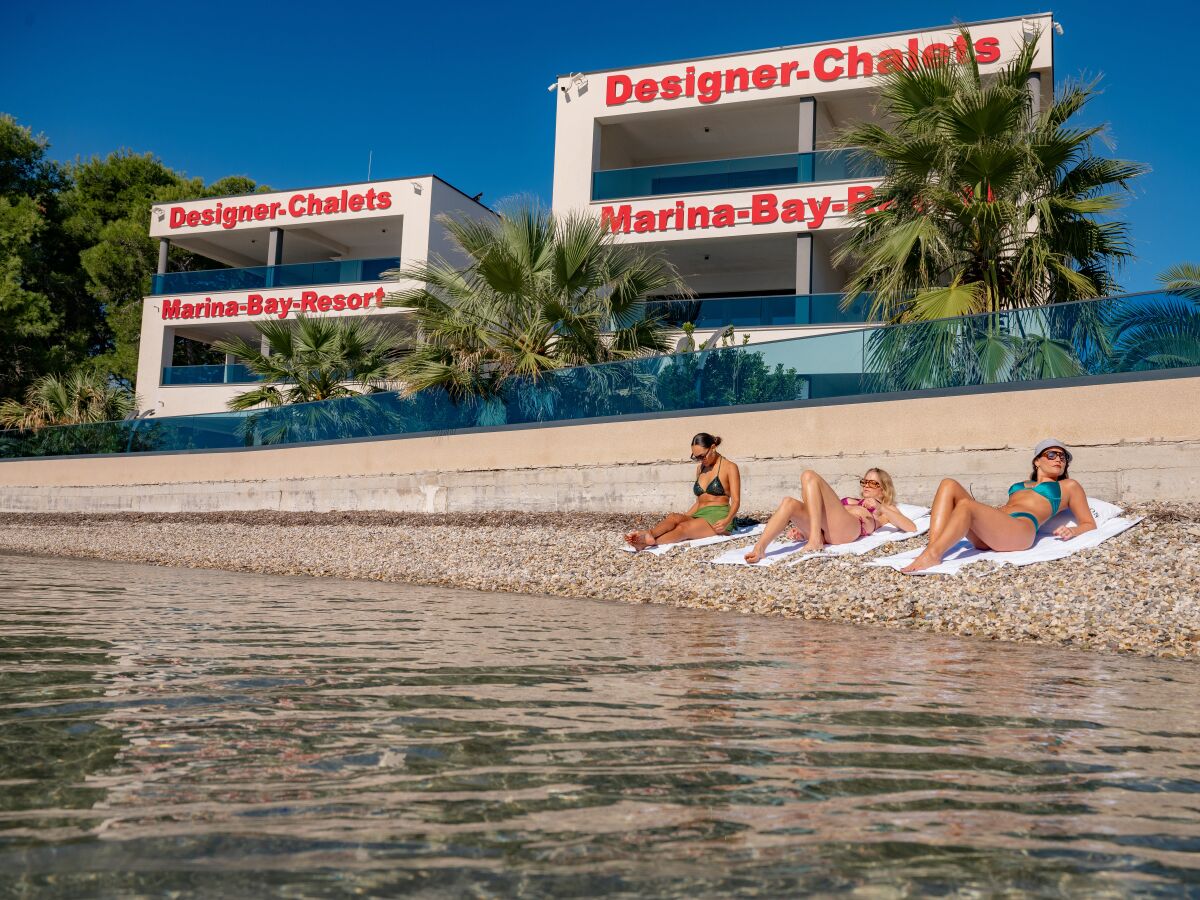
[209, 733]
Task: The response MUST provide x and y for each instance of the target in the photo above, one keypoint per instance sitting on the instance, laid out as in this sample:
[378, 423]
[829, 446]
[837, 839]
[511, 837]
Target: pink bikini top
[855, 501]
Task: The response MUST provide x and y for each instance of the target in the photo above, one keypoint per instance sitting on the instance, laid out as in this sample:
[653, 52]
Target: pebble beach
[1138, 592]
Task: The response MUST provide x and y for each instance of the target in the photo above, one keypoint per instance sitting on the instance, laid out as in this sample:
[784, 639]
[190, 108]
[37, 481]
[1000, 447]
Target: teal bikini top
[1051, 490]
[715, 488]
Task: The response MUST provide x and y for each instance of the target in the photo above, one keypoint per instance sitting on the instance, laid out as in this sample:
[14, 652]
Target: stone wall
[1133, 440]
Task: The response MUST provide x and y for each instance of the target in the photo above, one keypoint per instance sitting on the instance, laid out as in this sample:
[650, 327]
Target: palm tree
[538, 292]
[984, 206]
[316, 359]
[1159, 331]
[1182, 279]
[82, 396]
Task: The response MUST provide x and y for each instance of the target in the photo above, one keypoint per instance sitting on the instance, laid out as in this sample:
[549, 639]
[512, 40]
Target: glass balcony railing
[1034, 347]
[732, 174]
[234, 373]
[750, 312]
[333, 271]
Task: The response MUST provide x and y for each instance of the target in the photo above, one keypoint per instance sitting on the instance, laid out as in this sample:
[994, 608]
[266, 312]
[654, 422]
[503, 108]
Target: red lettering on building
[828, 63]
[764, 209]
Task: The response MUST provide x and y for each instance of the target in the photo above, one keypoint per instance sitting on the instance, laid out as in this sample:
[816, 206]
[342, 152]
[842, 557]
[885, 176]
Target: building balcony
[732, 174]
[335, 271]
[233, 373]
[757, 312]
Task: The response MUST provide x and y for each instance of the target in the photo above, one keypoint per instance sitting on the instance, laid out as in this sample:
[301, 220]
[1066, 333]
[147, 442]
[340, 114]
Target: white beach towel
[1045, 549]
[778, 552]
[888, 534]
[748, 531]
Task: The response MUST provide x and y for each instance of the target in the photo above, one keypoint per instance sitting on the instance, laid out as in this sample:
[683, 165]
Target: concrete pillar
[274, 253]
[167, 357]
[1034, 84]
[806, 139]
[275, 247]
[164, 247]
[804, 264]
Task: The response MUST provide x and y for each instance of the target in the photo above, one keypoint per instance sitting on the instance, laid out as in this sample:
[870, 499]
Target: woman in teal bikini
[1013, 526]
[718, 490]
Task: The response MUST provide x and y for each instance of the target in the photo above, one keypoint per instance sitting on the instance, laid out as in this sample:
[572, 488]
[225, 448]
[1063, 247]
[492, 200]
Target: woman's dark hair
[706, 440]
[1066, 470]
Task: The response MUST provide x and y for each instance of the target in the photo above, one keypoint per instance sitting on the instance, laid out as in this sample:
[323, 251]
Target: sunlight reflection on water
[170, 729]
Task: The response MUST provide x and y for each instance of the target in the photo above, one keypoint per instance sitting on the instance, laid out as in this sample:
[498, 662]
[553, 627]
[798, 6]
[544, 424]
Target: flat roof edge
[865, 37]
[321, 187]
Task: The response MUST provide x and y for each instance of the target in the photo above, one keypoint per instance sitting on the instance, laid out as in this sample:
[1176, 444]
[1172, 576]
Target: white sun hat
[1047, 444]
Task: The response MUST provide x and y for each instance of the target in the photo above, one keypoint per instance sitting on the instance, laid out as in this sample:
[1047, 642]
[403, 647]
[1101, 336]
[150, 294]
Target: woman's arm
[733, 487]
[1077, 503]
[695, 503]
[893, 516]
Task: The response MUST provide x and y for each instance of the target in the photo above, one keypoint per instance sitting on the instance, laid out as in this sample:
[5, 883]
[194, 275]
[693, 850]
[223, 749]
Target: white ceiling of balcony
[745, 129]
[361, 239]
[738, 265]
[723, 132]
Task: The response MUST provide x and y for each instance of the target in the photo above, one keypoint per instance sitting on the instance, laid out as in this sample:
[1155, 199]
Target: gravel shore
[1139, 592]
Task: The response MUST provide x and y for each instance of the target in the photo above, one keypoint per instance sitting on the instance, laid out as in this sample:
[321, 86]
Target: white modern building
[314, 251]
[724, 164]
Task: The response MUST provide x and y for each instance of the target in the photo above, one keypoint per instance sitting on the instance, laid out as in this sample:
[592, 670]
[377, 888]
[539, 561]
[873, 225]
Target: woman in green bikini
[956, 514]
[718, 490]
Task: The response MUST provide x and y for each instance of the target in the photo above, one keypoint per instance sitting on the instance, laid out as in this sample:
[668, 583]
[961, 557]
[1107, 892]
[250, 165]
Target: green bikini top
[1051, 490]
[715, 488]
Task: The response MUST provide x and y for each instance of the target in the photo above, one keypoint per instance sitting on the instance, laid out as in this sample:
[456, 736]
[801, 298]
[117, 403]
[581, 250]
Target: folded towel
[748, 531]
[777, 551]
[1045, 548]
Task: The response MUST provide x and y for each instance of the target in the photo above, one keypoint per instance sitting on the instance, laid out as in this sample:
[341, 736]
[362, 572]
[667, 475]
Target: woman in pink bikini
[822, 519]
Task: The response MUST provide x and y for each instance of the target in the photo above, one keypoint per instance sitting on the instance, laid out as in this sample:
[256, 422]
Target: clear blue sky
[295, 94]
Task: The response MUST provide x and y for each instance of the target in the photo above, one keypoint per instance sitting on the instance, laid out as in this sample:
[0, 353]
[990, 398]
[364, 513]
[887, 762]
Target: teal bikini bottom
[1030, 516]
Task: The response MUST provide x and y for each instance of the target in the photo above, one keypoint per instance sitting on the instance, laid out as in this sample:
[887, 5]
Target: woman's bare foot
[754, 555]
[642, 539]
[924, 561]
[813, 547]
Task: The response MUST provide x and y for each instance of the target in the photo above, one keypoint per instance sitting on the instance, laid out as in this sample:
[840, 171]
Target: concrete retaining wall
[1133, 440]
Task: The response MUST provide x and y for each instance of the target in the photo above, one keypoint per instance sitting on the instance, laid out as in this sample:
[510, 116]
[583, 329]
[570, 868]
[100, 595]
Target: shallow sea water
[185, 732]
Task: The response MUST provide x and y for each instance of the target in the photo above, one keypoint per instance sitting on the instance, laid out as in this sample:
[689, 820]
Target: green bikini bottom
[712, 514]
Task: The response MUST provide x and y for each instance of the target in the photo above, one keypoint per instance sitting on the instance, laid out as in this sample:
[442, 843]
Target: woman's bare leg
[827, 518]
[996, 529]
[642, 539]
[687, 530]
[949, 494]
[790, 511]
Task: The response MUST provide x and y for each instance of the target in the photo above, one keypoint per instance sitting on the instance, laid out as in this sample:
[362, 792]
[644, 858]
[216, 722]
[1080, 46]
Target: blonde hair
[887, 488]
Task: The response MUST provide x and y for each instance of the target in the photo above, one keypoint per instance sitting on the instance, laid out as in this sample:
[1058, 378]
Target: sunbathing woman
[718, 491]
[1013, 526]
[822, 519]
